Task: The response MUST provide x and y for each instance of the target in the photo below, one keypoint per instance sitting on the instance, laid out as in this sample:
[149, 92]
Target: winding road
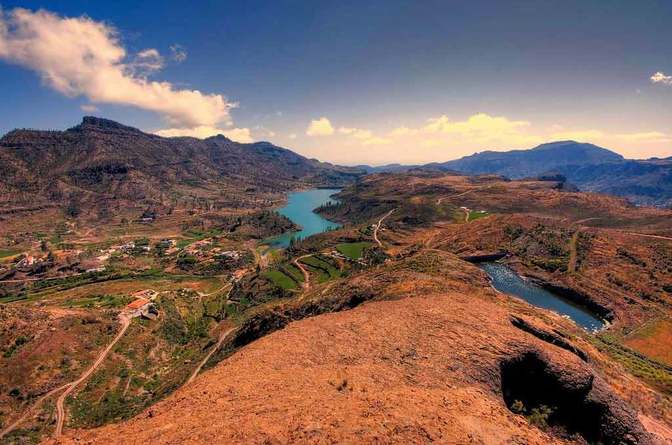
[215, 348]
[306, 275]
[440, 200]
[24, 416]
[125, 321]
[378, 224]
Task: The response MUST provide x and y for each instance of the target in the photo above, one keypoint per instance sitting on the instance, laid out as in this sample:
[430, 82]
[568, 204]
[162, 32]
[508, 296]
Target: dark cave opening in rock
[531, 388]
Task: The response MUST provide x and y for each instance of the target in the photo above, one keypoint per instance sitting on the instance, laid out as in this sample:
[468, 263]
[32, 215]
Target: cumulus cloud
[661, 77]
[320, 127]
[403, 131]
[146, 62]
[178, 53]
[201, 132]
[443, 138]
[81, 57]
[292, 136]
[365, 136]
[481, 128]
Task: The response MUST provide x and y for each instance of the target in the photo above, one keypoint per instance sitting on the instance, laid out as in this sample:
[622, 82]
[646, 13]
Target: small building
[138, 303]
[127, 247]
[28, 260]
[147, 294]
[165, 243]
[149, 311]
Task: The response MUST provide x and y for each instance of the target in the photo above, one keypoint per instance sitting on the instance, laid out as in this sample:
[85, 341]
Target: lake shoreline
[300, 209]
[506, 280]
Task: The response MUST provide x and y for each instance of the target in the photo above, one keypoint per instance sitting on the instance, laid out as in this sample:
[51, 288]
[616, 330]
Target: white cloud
[403, 131]
[146, 62]
[482, 128]
[89, 108]
[442, 138]
[178, 53]
[661, 77]
[646, 137]
[365, 136]
[201, 132]
[81, 57]
[356, 133]
[292, 136]
[320, 127]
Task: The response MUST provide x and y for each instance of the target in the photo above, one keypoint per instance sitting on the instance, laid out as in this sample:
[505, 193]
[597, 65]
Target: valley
[332, 305]
[371, 222]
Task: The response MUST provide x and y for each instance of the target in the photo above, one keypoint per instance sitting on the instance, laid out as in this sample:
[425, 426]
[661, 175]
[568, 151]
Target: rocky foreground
[435, 355]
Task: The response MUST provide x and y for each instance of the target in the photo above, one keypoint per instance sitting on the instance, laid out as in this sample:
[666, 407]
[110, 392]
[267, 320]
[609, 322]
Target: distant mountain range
[101, 162]
[591, 168]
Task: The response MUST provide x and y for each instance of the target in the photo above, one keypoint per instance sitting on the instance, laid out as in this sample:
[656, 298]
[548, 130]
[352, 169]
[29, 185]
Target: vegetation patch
[353, 251]
[280, 279]
[100, 301]
[293, 272]
[5, 253]
[476, 214]
[653, 340]
[323, 268]
[654, 373]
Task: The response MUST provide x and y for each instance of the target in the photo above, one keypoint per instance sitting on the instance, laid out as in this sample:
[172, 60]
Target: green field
[476, 214]
[4, 253]
[323, 268]
[293, 272]
[280, 279]
[353, 250]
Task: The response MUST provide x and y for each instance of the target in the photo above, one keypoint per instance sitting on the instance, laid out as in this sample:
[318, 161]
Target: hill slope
[429, 366]
[592, 168]
[100, 161]
[520, 163]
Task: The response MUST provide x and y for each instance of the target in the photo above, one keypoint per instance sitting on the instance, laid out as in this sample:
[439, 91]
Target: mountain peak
[571, 144]
[99, 123]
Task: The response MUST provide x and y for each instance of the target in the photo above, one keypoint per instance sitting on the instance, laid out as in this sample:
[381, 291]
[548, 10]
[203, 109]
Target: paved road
[125, 322]
[380, 222]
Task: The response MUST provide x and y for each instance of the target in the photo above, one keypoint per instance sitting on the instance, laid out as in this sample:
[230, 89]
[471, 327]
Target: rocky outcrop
[570, 400]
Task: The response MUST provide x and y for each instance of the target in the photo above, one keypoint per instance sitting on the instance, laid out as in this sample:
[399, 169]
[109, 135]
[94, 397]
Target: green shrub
[539, 416]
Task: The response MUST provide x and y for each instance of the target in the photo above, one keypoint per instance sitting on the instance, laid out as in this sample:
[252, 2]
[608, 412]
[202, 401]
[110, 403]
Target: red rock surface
[413, 370]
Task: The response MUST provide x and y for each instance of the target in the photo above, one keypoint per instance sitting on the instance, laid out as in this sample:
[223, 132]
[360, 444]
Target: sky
[349, 82]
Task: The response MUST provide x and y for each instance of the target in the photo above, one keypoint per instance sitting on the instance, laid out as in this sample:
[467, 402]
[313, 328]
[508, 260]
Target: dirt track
[380, 222]
[125, 321]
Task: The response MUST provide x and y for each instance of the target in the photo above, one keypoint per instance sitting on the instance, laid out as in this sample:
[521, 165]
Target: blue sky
[350, 81]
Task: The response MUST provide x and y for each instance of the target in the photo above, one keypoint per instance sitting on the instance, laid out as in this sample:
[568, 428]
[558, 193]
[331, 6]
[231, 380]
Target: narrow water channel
[299, 209]
[507, 281]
